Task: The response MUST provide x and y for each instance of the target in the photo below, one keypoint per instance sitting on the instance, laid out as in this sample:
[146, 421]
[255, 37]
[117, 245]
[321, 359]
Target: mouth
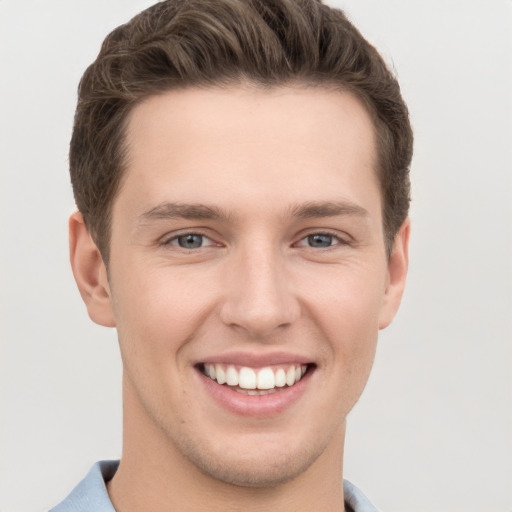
[255, 381]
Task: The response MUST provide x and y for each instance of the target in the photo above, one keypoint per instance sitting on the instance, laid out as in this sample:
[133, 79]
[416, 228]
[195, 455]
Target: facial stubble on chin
[266, 472]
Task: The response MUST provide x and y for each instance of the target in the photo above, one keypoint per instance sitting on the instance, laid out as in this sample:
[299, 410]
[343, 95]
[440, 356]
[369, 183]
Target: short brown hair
[185, 43]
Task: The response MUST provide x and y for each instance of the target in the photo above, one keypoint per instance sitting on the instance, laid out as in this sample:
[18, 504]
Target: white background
[433, 430]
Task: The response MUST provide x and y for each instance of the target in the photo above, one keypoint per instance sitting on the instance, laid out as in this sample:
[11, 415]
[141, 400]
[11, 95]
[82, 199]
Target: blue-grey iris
[190, 241]
[320, 240]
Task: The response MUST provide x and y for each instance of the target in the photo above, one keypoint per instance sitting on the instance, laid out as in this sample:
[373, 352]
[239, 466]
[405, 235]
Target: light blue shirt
[91, 495]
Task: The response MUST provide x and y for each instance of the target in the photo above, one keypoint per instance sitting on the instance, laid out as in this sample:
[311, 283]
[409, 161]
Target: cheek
[352, 341]
[347, 311]
[348, 300]
[159, 308]
[353, 337]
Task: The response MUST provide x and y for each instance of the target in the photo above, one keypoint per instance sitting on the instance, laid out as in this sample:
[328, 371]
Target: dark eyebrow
[183, 211]
[198, 211]
[328, 209]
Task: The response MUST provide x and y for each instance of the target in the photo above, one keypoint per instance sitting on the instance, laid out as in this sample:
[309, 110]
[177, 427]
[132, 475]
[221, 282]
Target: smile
[251, 381]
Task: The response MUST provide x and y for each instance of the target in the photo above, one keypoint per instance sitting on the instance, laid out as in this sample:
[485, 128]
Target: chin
[265, 465]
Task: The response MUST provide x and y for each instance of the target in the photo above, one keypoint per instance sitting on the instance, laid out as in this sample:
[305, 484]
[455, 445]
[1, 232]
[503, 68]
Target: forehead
[283, 143]
[244, 114]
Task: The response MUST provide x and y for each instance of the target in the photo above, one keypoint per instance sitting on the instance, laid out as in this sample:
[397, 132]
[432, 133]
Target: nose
[259, 296]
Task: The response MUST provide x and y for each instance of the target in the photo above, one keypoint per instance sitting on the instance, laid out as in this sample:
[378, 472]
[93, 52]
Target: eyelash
[176, 238]
[335, 240]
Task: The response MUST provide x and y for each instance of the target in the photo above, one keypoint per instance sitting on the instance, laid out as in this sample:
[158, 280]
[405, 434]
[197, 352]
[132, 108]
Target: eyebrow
[166, 211]
[316, 209]
[198, 211]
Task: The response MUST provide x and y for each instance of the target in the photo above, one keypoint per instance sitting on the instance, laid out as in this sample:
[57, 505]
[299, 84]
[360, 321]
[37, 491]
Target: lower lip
[255, 405]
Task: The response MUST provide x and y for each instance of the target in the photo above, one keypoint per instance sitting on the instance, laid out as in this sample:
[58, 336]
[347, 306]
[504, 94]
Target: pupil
[320, 240]
[190, 241]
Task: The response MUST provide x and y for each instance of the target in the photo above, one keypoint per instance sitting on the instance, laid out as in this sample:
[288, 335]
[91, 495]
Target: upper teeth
[248, 378]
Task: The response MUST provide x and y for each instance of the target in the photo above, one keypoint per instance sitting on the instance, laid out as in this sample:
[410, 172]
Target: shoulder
[91, 495]
[355, 500]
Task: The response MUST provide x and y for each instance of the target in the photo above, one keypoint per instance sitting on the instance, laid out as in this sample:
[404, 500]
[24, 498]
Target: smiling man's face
[248, 279]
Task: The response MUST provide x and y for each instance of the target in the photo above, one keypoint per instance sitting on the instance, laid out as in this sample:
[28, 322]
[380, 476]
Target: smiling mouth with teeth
[249, 381]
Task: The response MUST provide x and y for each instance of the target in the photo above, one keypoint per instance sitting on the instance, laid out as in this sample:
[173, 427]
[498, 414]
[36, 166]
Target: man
[240, 169]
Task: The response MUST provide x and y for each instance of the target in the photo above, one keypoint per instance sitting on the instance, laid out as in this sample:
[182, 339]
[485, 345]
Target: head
[242, 171]
[180, 44]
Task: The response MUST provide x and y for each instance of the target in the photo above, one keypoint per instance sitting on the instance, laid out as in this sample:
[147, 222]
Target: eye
[190, 241]
[319, 240]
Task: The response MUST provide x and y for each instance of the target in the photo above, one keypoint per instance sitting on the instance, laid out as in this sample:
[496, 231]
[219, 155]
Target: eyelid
[341, 240]
[167, 239]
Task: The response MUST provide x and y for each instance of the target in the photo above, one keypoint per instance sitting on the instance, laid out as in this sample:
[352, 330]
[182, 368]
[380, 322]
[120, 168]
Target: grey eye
[320, 240]
[190, 241]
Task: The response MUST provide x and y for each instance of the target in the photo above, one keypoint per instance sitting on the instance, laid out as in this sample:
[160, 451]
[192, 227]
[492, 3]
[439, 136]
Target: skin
[256, 286]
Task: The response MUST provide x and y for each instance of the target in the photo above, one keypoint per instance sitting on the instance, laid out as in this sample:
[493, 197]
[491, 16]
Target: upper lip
[256, 360]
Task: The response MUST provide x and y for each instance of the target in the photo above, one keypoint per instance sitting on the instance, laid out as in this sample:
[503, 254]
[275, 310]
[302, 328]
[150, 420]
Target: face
[248, 277]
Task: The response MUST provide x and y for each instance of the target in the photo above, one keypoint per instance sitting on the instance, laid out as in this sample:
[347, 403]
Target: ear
[398, 264]
[90, 272]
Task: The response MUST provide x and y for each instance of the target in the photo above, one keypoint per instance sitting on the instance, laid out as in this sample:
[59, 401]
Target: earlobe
[90, 272]
[398, 264]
